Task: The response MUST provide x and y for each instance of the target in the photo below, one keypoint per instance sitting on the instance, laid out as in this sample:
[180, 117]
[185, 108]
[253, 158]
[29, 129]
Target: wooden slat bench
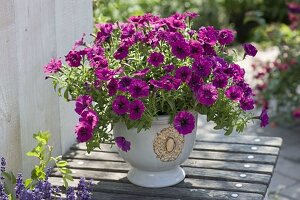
[220, 167]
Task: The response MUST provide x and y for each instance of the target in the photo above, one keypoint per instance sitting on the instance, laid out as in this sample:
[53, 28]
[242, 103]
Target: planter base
[156, 179]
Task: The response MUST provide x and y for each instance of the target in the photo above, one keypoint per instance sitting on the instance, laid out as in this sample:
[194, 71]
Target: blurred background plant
[278, 82]
[240, 15]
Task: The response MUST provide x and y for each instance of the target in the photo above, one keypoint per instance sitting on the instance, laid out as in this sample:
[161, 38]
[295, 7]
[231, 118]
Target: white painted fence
[31, 33]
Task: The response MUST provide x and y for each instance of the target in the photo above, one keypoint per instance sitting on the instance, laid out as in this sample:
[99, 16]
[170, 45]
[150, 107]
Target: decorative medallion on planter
[168, 144]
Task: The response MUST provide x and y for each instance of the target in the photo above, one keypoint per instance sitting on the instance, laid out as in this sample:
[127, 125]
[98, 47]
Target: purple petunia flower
[220, 80]
[225, 36]
[53, 66]
[238, 73]
[125, 83]
[127, 31]
[174, 24]
[183, 73]
[139, 89]
[112, 87]
[181, 50]
[202, 66]
[89, 117]
[174, 37]
[208, 50]
[184, 122]
[208, 35]
[122, 143]
[73, 58]
[156, 59]
[136, 109]
[169, 68]
[235, 93]
[195, 82]
[142, 73]
[264, 118]
[247, 103]
[207, 94]
[166, 82]
[121, 53]
[82, 102]
[249, 49]
[83, 131]
[120, 105]
[99, 62]
[196, 49]
[104, 74]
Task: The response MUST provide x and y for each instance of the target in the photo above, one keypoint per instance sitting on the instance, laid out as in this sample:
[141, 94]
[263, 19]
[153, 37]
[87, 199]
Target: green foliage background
[241, 15]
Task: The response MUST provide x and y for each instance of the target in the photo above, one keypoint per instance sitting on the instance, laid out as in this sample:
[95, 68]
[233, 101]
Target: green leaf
[62, 163]
[28, 182]
[32, 154]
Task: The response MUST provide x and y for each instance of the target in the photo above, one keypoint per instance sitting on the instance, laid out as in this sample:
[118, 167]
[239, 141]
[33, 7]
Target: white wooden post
[31, 33]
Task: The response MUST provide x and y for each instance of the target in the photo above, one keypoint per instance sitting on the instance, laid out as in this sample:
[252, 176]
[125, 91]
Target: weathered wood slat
[188, 182]
[210, 164]
[240, 139]
[174, 192]
[236, 148]
[200, 173]
[201, 154]
[235, 166]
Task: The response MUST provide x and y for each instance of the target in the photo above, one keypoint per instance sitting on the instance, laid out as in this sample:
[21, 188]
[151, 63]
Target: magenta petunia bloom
[208, 35]
[196, 49]
[249, 49]
[174, 24]
[73, 58]
[207, 94]
[247, 103]
[53, 66]
[139, 89]
[225, 36]
[195, 82]
[184, 122]
[174, 37]
[156, 59]
[169, 68]
[120, 105]
[82, 102]
[99, 62]
[122, 143]
[83, 132]
[121, 53]
[136, 109]
[104, 74]
[181, 50]
[296, 113]
[264, 118]
[112, 87]
[220, 80]
[127, 31]
[202, 66]
[142, 73]
[235, 93]
[89, 117]
[125, 83]
[183, 73]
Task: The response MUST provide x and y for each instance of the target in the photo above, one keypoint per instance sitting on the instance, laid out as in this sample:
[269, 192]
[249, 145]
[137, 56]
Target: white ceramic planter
[156, 154]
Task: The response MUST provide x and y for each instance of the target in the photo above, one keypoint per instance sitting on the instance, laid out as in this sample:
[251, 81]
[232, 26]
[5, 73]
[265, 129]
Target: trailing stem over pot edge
[135, 71]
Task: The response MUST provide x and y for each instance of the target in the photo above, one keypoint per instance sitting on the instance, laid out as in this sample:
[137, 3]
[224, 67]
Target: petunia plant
[149, 66]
